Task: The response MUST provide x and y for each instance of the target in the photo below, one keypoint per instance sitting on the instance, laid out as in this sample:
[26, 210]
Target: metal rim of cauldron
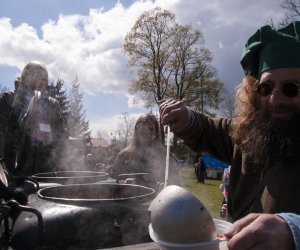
[95, 201]
[85, 177]
[134, 174]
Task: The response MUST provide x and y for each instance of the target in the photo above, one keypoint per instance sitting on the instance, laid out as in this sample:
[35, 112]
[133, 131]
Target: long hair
[142, 119]
[29, 66]
[136, 147]
[22, 88]
[245, 109]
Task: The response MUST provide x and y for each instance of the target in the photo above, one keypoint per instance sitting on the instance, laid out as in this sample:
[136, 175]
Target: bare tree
[149, 48]
[206, 97]
[103, 134]
[227, 106]
[171, 60]
[125, 130]
[292, 8]
[190, 62]
[292, 13]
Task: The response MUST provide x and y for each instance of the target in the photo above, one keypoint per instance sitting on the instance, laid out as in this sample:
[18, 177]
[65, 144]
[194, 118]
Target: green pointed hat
[270, 49]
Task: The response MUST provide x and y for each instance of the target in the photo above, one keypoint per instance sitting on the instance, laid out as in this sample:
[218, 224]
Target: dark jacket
[6, 103]
[22, 155]
[281, 193]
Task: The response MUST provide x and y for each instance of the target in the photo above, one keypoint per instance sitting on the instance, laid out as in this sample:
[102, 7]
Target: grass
[209, 193]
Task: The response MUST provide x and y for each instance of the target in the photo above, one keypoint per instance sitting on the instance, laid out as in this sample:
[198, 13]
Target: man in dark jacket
[35, 134]
[261, 143]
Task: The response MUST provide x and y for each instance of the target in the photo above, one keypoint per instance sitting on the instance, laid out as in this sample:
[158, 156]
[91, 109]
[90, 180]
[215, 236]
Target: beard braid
[273, 140]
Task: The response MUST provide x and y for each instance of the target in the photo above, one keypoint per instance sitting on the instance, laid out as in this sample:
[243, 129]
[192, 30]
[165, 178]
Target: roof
[98, 142]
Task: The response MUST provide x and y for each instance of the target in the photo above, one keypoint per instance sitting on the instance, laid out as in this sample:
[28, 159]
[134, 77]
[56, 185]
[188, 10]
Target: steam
[37, 94]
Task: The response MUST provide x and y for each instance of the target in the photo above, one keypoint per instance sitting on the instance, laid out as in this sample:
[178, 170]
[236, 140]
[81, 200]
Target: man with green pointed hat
[261, 143]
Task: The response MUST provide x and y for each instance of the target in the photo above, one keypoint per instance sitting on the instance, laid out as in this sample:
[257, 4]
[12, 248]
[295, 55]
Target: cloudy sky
[84, 38]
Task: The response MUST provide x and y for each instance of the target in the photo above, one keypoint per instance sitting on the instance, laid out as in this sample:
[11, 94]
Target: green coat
[280, 194]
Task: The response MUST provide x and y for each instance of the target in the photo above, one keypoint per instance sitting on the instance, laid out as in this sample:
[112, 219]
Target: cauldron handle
[37, 186]
[20, 180]
[14, 205]
[4, 214]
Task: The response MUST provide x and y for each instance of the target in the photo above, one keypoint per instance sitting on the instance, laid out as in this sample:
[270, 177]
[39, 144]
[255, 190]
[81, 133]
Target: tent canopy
[213, 162]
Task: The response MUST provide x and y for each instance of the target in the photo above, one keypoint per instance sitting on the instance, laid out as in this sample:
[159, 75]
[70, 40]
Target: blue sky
[84, 38]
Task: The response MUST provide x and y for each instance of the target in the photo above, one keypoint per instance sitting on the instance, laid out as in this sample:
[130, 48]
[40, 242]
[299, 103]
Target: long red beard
[269, 140]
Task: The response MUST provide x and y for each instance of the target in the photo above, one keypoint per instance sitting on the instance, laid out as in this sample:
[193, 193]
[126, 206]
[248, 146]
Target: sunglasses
[289, 89]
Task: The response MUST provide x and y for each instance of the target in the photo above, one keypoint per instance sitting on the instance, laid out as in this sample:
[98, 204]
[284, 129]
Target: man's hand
[175, 114]
[260, 232]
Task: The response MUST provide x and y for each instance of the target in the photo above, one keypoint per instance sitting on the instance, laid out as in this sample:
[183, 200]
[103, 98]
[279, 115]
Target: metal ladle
[167, 156]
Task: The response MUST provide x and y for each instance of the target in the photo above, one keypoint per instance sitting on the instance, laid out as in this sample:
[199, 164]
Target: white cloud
[108, 124]
[19, 44]
[90, 46]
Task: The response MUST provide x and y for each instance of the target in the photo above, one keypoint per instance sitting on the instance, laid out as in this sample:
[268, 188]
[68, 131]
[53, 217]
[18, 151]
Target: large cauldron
[84, 216]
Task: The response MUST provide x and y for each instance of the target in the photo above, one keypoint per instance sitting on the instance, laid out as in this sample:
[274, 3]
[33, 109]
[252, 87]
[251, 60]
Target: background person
[145, 154]
[224, 188]
[6, 104]
[261, 143]
[35, 135]
[202, 170]
[197, 170]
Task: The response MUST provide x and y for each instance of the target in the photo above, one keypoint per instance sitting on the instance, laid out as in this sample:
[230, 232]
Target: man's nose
[277, 97]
